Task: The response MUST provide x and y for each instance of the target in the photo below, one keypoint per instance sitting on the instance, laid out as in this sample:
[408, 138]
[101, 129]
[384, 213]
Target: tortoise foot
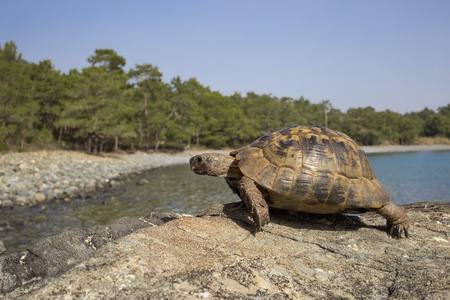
[254, 201]
[260, 215]
[397, 220]
[395, 230]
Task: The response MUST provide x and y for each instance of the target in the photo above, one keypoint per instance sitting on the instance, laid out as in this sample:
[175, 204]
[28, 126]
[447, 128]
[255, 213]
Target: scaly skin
[397, 220]
[254, 201]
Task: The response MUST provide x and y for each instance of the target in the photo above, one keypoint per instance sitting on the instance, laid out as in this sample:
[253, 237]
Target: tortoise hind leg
[254, 201]
[397, 220]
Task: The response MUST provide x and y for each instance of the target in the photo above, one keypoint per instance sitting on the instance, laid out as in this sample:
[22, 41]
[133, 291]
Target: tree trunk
[141, 138]
[101, 142]
[60, 134]
[116, 143]
[197, 139]
[88, 145]
[147, 141]
[157, 142]
[147, 135]
[95, 150]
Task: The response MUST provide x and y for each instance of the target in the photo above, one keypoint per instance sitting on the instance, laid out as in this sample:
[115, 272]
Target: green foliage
[103, 108]
[18, 112]
[440, 123]
[109, 59]
[42, 138]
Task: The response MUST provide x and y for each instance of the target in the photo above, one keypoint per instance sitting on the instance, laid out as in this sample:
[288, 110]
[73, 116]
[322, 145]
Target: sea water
[408, 177]
[415, 176]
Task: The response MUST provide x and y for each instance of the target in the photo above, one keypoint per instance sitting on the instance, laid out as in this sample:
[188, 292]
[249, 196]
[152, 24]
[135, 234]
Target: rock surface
[49, 258]
[216, 256]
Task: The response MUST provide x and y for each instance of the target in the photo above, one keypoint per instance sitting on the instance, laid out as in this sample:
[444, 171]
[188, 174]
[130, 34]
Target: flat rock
[26, 271]
[296, 256]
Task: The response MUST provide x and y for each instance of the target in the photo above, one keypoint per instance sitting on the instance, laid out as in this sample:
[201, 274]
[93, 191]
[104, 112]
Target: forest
[104, 108]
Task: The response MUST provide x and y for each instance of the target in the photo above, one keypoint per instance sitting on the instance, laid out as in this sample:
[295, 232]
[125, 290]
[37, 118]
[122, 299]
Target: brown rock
[296, 256]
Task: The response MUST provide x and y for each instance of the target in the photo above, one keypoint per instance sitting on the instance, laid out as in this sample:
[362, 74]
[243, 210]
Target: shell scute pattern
[312, 168]
[322, 186]
[318, 155]
[255, 166]
[283, 182]
[366, 167]
[285, 151]
[302, 183]
[265, 139]
[266, 177]
[339, 191]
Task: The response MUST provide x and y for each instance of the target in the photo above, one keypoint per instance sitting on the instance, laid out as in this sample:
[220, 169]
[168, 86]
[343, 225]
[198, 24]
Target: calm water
[414, 177]
[408, 177]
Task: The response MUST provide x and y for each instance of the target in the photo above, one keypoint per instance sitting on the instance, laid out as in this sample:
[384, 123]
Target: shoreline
[31, 178]
[401, 149]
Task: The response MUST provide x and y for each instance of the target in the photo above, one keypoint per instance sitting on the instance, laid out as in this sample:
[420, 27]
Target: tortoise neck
[233, 171]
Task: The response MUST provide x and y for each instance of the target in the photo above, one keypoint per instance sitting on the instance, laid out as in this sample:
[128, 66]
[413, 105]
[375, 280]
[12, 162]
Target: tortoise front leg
[397, 220]
[254, 201]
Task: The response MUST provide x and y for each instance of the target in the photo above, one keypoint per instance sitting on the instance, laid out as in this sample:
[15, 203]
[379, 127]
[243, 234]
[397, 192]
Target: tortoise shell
[312, 169]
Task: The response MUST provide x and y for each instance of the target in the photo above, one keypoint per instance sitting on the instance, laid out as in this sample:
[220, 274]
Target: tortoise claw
[260, 216]
[397, 220]
[395, 230]
[256, 224]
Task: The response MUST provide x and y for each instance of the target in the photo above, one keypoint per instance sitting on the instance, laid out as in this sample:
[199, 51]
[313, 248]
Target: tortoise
[303, 168]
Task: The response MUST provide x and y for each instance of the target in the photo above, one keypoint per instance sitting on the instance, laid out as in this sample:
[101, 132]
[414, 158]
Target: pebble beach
[31, 178]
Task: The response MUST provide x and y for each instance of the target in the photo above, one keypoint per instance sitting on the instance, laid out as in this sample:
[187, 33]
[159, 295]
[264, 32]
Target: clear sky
[387, 54]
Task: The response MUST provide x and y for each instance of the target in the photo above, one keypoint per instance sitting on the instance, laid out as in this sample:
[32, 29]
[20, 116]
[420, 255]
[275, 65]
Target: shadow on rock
[237, 212]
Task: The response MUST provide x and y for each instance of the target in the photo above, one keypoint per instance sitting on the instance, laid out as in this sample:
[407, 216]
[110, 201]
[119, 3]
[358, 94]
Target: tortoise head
[215, 164]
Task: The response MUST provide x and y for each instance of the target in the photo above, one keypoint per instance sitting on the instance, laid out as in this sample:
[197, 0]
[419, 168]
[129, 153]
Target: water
[415, 176]
[173, 189]
[408, 177]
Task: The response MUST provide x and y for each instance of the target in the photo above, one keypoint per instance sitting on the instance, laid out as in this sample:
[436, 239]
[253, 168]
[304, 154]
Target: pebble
[35, 177]
[2, 247]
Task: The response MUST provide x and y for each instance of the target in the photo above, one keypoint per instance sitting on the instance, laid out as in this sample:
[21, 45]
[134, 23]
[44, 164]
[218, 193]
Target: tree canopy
[105, 108]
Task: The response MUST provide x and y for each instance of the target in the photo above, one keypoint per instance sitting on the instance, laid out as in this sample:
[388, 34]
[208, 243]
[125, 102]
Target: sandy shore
[413, 148]
[34, 177]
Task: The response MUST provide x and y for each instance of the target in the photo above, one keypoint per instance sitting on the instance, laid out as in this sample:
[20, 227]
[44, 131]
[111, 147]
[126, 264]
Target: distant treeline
[104, 108]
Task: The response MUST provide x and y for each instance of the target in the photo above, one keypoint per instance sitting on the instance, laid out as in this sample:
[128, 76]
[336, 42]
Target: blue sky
[385, 54]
